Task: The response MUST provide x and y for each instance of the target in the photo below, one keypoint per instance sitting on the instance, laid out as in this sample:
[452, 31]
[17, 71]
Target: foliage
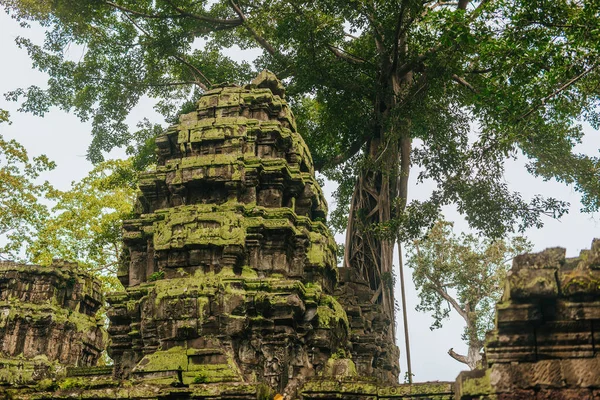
[464, 273]
[85, 224]
[523, 70]
[21, 212]
[156, 276]
[4, 116]
[143, 148]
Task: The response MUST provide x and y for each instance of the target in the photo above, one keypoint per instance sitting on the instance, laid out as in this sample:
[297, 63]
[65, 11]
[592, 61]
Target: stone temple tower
[230, 270]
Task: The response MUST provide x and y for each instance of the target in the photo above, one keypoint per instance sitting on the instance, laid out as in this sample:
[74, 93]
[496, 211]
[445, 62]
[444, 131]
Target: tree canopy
[84, 225]
[522, 71]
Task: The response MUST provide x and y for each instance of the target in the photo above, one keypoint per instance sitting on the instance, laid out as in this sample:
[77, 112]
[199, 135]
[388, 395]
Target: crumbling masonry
[47, 322]
[232, 290]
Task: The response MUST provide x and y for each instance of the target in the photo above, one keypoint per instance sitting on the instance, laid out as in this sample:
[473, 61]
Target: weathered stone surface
[231, 272]
[371, 351]
[47, 321]
[232, 290]
[545, 345]
[100, 387]
[364, 389]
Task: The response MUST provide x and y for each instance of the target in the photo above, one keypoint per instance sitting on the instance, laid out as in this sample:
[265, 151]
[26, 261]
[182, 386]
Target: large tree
[465, 274]
[379, 86]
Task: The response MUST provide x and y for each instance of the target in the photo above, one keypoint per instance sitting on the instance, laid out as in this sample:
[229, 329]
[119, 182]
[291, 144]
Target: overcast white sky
[64, 139]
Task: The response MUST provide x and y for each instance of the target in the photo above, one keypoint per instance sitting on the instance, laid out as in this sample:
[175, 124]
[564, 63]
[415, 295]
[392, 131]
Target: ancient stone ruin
[232, 290]
[546, 344]
[47, 321]
[231, 270]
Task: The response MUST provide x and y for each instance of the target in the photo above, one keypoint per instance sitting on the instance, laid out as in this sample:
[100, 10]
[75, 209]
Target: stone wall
[47, 321]
[546, 344]
[370, 347]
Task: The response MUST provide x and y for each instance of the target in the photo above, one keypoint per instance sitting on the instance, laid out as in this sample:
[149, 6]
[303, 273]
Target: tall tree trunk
[367, 251]
[382, 179]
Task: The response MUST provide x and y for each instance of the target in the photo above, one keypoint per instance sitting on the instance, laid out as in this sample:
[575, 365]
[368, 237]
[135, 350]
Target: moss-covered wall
[47, 321]
[230, 270]
[545, 343]
[232, 290]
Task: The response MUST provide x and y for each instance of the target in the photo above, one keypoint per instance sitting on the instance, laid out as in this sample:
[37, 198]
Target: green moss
[197, 285]
[248, 272]
[200, 378]
[47, 385]
[340, 367]
[340, 353]
[73, 383]
[340, 387]
[161, 360]
[186, 226]
[131, 305]
[16, 370]
[264, 392]
[476, 386]
[330, 312]
[226, 224]
[426, 390]
[579, 282]
[36, 312]
[211, 373]
[89, 371]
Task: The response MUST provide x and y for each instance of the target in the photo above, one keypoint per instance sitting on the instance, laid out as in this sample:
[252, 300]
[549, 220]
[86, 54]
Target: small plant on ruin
[156, 276]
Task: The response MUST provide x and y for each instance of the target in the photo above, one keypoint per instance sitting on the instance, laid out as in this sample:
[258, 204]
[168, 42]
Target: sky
[64, 139]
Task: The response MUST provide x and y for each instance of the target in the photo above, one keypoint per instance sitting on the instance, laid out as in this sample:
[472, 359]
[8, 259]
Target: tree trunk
[474, 354]
[382, 179]
[366, 251]
[473, 357]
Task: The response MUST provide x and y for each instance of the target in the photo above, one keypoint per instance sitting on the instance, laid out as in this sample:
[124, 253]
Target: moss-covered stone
[48, 320]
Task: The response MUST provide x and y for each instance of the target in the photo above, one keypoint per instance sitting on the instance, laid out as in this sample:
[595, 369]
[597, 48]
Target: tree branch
[344, 55]
[409, 66]
[145, 84]
[142, 14]
[457, 356]
[376, 26]
[439, 288]
[397, 34]
[462, 4]
[217, 21]
[377, 293]
[262, 41]
[480, 71]
[179, 58]
[558, 91]
[464, 82]
[195, 70]
[340, 158]
[405, 150]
